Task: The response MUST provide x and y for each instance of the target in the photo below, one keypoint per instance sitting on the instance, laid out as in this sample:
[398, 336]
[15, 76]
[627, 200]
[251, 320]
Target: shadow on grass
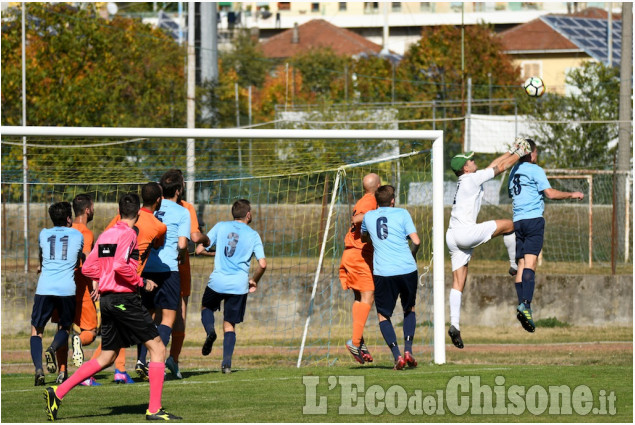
[132, 409]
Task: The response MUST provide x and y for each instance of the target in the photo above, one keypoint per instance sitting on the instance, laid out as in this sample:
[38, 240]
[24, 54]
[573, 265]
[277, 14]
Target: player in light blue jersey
[236, 243]
[394, 269]
[60, 251]
[527, 185]
[163, 296]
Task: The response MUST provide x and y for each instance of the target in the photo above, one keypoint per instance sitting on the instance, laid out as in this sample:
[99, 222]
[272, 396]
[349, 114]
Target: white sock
[455, 307]
[510, 243]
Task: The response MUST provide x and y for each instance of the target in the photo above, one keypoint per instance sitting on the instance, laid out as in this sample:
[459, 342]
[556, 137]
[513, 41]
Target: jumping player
[356, 269]
[527, 185]
[464, 234]
[162, 268]
[394, 269]
[113, 265]
[60, 251]
[229, 282]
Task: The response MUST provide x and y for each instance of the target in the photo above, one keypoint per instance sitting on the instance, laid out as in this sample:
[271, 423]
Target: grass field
[260, 390]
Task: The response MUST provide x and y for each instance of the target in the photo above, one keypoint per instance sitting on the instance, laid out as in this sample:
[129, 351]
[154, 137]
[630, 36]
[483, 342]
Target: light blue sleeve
[184, 224]
[542, 182]
[212, 235]
[409, 226]
[259, 250]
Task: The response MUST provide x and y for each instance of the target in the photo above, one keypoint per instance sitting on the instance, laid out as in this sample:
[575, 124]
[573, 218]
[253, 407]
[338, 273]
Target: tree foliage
[247, 60]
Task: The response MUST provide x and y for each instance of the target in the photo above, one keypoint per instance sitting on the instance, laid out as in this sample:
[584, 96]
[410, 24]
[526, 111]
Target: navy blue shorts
[234, 305]
[43, 306]
[388, 288]
[530, 234]
[124, 321]
[167, 295]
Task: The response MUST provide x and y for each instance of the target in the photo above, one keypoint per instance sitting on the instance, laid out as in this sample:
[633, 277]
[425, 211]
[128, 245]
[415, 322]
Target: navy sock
[528, 286]
[229, 342]
[164, 333]
[60, 339]
[390, 337]
[207, 317]
[409, 325]
[36, 352]
[519, 291]
[142, 353]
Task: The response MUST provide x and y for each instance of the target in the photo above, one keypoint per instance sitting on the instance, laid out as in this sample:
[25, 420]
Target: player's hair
[129, 205]
[171, 181]
[460, 172]
[150, 192]
[240, 208]
[60, 213]
[384, 195]
[527, 158]
[81, 202]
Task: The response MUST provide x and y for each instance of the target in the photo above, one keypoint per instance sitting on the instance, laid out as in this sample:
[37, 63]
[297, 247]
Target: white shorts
[461, 241]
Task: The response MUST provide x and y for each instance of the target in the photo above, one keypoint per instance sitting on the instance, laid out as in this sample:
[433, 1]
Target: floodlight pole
[191, 103]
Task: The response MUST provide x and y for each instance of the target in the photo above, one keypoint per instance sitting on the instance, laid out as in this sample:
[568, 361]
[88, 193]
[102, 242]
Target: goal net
[302, 185]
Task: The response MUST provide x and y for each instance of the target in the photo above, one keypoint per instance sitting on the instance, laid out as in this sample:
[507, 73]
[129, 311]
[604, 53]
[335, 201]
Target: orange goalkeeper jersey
[353, 238]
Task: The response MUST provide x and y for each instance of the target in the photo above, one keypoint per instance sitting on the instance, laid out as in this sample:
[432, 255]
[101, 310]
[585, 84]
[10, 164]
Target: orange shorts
[186, 278]
[356, 270]
[85, 311]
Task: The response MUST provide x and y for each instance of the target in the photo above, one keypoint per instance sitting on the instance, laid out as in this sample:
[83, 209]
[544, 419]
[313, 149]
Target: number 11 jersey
[60, 248]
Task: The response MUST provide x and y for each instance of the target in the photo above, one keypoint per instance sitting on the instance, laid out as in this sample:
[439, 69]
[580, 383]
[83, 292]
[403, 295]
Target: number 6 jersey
[60, 248]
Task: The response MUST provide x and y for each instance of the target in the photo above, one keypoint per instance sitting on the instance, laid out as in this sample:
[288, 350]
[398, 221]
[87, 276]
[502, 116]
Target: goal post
[435, 137]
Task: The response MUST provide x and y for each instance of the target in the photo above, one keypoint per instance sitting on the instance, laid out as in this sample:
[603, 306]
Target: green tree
[85, 71]
[322, 72]
[565, 141]
[247, 59]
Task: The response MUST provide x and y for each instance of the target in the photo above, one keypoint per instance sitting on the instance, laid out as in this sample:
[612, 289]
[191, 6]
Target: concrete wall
[489, 300]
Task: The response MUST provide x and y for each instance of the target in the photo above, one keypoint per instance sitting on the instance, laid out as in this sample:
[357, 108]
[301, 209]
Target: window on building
[371, 6]
[284, 5]
[315, 7]
[342, 6]
[530, 69]
[396, 6]
[426, 6]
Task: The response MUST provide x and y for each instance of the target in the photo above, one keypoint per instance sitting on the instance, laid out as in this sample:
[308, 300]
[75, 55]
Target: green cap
[459, 160]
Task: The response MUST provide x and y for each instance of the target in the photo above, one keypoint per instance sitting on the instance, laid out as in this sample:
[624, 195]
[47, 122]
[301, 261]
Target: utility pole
[191, 102]
[625, 132]
[25, 163]
[209, 51]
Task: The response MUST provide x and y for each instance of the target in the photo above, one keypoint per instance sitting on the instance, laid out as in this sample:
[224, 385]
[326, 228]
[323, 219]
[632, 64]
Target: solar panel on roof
[590, 35]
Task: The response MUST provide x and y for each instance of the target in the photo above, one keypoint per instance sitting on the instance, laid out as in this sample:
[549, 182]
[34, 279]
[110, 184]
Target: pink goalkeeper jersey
[113, 262]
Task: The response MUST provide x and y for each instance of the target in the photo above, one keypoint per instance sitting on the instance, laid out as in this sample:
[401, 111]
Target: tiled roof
[315, 34]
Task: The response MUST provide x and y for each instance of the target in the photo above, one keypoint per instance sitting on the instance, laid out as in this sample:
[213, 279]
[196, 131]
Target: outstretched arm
[555, 194]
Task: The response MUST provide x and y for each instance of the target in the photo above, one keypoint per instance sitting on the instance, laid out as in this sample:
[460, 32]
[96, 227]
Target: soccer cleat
[173, 366]
[39, 378]
[63, 376]
[400, 363]
[512, 271]
[78, 351]
[365, 353]
[355, 351]
[161, 415]
[51, 361]
[455, 336]
[123, 377]
[142, 370]
[524, 316]
[226, 369]
[209, 341]
[407, 356]
[90, 382]
[52, 403]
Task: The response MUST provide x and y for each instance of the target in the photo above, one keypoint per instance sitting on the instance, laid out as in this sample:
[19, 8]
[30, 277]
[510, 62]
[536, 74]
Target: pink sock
[155, 376]
[87, 370]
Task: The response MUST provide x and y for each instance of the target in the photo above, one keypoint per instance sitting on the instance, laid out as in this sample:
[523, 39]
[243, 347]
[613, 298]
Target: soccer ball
[534, 86]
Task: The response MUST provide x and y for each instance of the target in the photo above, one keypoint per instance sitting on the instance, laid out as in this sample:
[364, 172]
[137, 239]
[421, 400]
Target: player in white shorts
[464, 233]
